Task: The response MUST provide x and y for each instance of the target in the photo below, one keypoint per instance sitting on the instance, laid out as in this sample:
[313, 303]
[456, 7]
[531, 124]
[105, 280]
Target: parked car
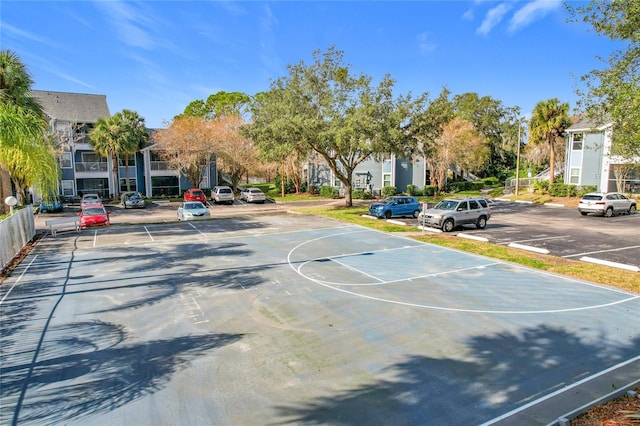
[193, 210]
[90, 199]
[252, 195]
[395, 206]
[452, 212]
[51, 205]
[195, 194]
[606, 204]
[222, 194]
[132, 200]
[93, 215]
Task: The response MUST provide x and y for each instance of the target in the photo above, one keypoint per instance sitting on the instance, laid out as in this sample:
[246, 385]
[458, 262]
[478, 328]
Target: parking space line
[602, 251]
[537, 239]
[148, 233]
[201, 233]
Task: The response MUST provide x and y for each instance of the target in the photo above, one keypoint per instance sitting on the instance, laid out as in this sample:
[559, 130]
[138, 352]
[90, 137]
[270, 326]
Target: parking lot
[561, 231]
[295, 319]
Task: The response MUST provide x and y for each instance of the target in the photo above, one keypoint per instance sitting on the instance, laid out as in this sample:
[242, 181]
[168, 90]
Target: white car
[606, 204]
[253, 195]
[193, 210]
[222, 194]
[90, 199]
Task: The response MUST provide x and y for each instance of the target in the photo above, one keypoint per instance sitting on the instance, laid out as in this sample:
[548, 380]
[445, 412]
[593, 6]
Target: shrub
[560, 189]
[541, 186]
[413, 190]
[429, 190]
[357, 194]
[329, 192]
[464, 185]
[491, 181]
[388, 191]
[585, 189]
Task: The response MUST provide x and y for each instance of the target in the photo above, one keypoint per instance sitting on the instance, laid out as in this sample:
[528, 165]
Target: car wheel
[583, 213]
[481, 223]
[447, 225]
[632, 209]
[416, 214]
[608, 212]
[387, 214]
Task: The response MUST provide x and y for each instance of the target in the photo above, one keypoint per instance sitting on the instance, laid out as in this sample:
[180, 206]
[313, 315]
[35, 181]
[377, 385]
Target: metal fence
[15, 232]
[510, 183]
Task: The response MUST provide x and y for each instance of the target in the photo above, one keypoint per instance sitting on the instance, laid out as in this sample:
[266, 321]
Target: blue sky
[155, 57]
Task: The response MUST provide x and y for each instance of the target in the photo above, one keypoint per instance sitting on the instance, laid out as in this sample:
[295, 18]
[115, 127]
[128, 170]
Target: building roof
[72, 107]
[584, 124]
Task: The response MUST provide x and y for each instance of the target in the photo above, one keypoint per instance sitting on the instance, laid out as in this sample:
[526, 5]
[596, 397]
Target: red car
[195, 194]
[94, 215]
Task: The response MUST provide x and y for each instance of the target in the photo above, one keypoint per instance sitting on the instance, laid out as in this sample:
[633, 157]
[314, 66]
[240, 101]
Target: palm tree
[122, 133]
[136, 137]
[548, 122]
[27, 156]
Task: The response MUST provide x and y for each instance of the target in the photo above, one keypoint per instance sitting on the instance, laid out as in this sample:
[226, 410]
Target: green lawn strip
[613, 277]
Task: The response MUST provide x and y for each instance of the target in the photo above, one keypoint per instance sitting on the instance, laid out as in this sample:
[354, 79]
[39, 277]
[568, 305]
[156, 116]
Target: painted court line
[559, 391]
[337, 286]
[19, 278]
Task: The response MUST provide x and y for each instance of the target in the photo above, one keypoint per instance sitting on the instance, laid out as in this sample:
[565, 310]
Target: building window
[577, 141]
[122, 161]
[575, 176]
[67, 188]
[65, 160]
[164, 186]
[386, 179]
[132, 185]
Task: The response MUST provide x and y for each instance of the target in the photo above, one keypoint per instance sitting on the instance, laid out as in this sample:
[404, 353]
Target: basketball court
[297, 320]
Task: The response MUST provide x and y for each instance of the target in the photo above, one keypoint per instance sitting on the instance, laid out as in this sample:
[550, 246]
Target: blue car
[51, 205]
[395, 206]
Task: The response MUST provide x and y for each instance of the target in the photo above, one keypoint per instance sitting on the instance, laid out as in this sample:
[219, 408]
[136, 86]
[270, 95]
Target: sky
[156, 57]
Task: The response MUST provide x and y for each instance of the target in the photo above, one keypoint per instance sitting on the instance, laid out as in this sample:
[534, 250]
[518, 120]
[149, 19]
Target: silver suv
[222, 194]
[452, 212]
[606, 204]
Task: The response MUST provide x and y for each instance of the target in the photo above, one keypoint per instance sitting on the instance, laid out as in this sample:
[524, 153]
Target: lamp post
[518, 158]
[11, 201]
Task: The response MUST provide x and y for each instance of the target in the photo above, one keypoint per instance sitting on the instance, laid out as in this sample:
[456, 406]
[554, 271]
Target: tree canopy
[612, 94]
[219, 104]
[325, 108]
[123, 133]
[549, 120]
[27, 155]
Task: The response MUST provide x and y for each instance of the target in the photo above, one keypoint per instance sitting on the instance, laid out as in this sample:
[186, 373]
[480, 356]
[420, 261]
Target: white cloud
[493, 17]
[532, 11]
[424, 43]
[268, 53]
[127, 22]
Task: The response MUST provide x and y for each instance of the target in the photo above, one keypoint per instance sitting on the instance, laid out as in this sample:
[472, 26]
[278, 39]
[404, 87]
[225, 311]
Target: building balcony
[92, 167]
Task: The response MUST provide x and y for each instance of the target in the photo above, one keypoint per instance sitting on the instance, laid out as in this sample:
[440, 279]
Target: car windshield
[446, 205]
[255, 191]
[196, 193]
[93, 212]
[388, 200]
[193, 206]
[225, 191]
[592, 197]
